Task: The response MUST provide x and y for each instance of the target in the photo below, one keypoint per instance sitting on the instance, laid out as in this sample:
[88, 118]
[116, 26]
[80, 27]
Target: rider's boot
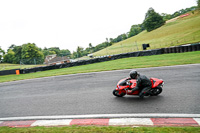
[141, 95]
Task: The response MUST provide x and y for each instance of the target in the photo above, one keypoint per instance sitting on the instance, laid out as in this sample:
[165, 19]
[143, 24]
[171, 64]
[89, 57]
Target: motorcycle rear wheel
[116, 93]
[156, 91]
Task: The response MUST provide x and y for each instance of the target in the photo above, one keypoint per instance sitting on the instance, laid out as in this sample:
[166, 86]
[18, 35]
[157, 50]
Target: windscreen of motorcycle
[123, 83]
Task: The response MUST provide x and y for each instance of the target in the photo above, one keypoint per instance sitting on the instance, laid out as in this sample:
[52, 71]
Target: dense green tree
[124, 36]
[56, 49]
[166, 16]
[79, 52]
[111, 39]
[198, 4]
[135, 29]
[18, 54]
[48, 52]
[176, 14]
[31, 53]
[102, 46]
[64, 52]
[90, 48]
[152, 20]
[2, 52]
[118, 38]
[74, 55]
[12, 46]
[8, 58]
[183, 11]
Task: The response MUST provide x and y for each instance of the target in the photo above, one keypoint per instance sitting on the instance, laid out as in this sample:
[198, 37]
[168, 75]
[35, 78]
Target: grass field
[182, 31]
[125, 63]
[7, 66]
[93, 129]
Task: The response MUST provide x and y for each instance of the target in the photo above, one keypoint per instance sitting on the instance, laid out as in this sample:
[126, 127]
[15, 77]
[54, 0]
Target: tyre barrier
[176, 49]
[8, 72]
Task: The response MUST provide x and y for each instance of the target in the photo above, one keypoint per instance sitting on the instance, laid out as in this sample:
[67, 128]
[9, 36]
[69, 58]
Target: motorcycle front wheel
[116, 93]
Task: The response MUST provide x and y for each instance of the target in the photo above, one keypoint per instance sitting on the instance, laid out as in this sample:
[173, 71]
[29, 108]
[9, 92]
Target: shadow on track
[133, 99]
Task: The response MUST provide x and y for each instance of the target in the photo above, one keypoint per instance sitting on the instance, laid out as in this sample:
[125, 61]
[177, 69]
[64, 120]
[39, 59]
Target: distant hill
[181, 30]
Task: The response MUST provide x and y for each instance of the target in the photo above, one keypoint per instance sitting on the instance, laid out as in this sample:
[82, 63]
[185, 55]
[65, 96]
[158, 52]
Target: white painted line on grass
[52, 122]
[131, 121]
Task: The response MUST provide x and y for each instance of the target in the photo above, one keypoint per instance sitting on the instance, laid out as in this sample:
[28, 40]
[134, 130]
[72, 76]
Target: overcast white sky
[71, 23]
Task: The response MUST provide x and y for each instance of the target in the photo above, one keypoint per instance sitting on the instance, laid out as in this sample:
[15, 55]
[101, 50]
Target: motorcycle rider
[142, 82]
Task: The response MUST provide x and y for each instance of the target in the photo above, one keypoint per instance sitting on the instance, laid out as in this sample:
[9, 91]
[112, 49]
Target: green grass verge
[106, 129]
[125, 63]
[7, 66]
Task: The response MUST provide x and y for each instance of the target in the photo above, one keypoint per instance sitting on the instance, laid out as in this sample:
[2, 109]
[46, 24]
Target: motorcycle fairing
[155, 82]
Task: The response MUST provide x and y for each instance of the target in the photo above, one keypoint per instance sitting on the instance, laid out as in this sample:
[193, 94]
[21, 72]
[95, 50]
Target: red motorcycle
[124, 87]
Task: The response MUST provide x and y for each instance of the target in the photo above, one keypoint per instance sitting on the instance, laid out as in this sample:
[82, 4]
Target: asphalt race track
[91, 93]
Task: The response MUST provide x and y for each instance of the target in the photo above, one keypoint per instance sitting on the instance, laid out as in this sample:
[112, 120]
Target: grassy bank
[93, 129]
[182, 31]
[126, 63]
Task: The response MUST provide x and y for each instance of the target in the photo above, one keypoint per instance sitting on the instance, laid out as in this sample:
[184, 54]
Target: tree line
[30, 51]
[30, 54]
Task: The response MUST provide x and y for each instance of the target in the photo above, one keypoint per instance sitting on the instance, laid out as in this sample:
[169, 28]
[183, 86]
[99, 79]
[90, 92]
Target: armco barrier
[177, 49]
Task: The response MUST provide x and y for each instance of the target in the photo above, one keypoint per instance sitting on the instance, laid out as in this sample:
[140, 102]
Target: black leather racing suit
[144, 83]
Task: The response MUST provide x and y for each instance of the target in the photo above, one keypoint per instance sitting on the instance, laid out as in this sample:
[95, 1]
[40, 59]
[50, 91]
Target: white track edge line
[139, 115]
